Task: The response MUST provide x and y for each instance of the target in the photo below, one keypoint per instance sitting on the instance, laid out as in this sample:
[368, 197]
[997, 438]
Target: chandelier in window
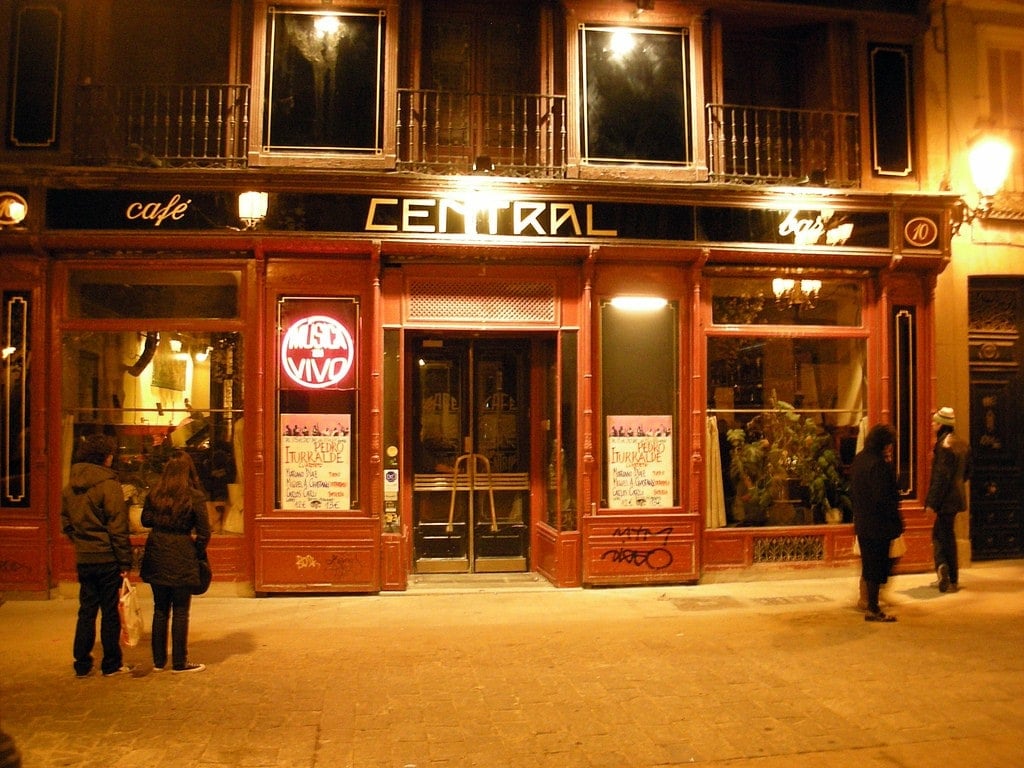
[796, 293]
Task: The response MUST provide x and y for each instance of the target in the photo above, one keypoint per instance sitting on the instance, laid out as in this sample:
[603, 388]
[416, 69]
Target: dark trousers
[99, 585]
[944, 546]
[875, 566]
[170, 603]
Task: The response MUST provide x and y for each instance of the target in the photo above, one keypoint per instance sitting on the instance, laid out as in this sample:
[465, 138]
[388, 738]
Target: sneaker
[954, 587]
[879, 616]
[158, 669]
[943, 571]
[190, 668]
[125, 670]
[82, 675]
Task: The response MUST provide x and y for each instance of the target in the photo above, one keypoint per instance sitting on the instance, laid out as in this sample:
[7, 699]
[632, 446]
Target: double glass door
[471, 457]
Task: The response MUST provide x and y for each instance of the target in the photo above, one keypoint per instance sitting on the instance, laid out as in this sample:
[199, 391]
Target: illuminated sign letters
[157, 213]
[485, 216]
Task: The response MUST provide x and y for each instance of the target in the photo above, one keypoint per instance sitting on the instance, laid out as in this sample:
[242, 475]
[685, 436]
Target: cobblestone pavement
[512, 673]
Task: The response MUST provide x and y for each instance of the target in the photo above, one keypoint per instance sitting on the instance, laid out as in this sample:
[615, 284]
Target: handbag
[897, 547]
[205, 576]
[130, 612]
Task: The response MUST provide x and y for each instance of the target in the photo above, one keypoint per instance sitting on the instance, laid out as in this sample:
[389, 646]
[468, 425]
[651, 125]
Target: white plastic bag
[131, 614]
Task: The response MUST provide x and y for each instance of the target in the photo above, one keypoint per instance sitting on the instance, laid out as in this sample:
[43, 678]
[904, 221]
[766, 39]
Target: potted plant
[781, 455]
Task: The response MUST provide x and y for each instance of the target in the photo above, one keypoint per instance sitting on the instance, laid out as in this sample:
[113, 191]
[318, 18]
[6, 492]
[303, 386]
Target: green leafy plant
[779, 446]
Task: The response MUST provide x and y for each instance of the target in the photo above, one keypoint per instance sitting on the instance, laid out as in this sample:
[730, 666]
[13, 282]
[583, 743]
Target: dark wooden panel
[23, 556]
[318, 555]
[640, 549]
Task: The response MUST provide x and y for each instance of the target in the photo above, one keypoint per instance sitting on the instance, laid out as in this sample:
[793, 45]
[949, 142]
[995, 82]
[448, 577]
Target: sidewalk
[513, 673]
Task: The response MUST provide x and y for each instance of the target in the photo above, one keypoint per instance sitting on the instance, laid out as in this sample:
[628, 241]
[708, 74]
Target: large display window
[155, 359]
[786, 398]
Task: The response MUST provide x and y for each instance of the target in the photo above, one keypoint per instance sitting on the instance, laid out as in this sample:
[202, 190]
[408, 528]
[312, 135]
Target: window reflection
[157, 392]
[786, 300]
[324, 86]
[635, 94]
[787, 413]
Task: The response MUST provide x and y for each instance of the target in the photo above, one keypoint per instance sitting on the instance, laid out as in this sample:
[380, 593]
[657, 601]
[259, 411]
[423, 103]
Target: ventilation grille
[491, 301]
[789, 549]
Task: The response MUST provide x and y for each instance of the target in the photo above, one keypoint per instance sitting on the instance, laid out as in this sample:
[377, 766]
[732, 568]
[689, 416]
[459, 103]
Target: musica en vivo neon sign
[317, 352]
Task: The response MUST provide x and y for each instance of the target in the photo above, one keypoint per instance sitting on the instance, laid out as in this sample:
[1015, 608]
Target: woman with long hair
[175, 511]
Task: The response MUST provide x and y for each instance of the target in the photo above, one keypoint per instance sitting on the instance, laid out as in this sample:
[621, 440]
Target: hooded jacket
[94, 515]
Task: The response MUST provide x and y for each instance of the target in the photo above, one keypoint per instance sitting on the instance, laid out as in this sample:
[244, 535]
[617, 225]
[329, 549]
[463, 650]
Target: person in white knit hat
[951, 468]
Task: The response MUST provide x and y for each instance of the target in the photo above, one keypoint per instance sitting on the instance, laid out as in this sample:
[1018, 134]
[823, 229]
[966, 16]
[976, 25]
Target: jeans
[170, 603]
[944, 545]
[98, 592]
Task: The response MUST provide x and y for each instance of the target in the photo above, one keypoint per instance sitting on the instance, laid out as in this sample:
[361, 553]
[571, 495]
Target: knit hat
[944, 417]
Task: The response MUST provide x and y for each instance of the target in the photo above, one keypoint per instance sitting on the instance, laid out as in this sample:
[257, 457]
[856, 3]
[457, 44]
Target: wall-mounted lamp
[989, 159]
[7, 352]
[202, 354]
[175, 344]
[796, 293]
[252, 208]
[13, 209]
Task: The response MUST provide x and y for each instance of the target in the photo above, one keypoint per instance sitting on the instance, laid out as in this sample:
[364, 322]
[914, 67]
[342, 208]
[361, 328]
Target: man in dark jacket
[94, 516]
[874, 490]
[951, 468]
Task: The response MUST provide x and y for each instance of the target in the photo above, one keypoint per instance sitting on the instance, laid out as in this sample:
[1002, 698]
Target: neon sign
[317, 352]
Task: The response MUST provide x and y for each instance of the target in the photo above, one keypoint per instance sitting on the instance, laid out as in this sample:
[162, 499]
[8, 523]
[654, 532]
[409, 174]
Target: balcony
[447, 133]
[766, 145]
[177, 126]
[514, 134]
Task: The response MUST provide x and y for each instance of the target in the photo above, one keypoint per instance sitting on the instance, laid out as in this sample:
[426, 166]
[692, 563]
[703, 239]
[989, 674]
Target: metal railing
[519, 134]
[162, 125]
[767, 145]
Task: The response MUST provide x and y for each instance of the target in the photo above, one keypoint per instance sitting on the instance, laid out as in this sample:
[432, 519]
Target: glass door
[470, 440]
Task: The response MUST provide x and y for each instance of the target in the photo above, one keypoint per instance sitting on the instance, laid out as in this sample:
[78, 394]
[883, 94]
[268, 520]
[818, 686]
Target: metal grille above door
[472, 301]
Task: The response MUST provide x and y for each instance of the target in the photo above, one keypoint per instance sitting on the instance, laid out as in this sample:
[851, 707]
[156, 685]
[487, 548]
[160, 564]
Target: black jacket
[874, 491]
[951, 467]
[172, 555]
[94, 515]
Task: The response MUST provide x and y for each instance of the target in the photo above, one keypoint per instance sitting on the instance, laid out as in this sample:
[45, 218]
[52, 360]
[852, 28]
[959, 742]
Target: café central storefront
[395, 378]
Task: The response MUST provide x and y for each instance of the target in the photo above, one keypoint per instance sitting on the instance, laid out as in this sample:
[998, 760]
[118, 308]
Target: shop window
[786, 411]
[635, 95]
[324, 81]
[157, 392]
[786, 300]
[14, 399]
[157, 294]
[317, 404]
[639, 386]
[786, 396]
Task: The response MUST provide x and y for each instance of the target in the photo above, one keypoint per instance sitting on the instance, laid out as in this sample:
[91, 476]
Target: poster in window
[316, 461]
[639, 461]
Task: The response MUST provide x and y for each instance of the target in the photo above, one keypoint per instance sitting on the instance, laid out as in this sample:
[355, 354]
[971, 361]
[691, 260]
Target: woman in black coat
[175, 508]
[876, 516]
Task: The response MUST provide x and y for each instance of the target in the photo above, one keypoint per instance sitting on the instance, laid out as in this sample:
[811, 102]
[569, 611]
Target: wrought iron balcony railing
[162, 125]
[513, 134]
[766, 145]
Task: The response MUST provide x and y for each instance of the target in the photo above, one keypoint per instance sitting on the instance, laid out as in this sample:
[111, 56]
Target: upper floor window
[323, 89]
[635, 95]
